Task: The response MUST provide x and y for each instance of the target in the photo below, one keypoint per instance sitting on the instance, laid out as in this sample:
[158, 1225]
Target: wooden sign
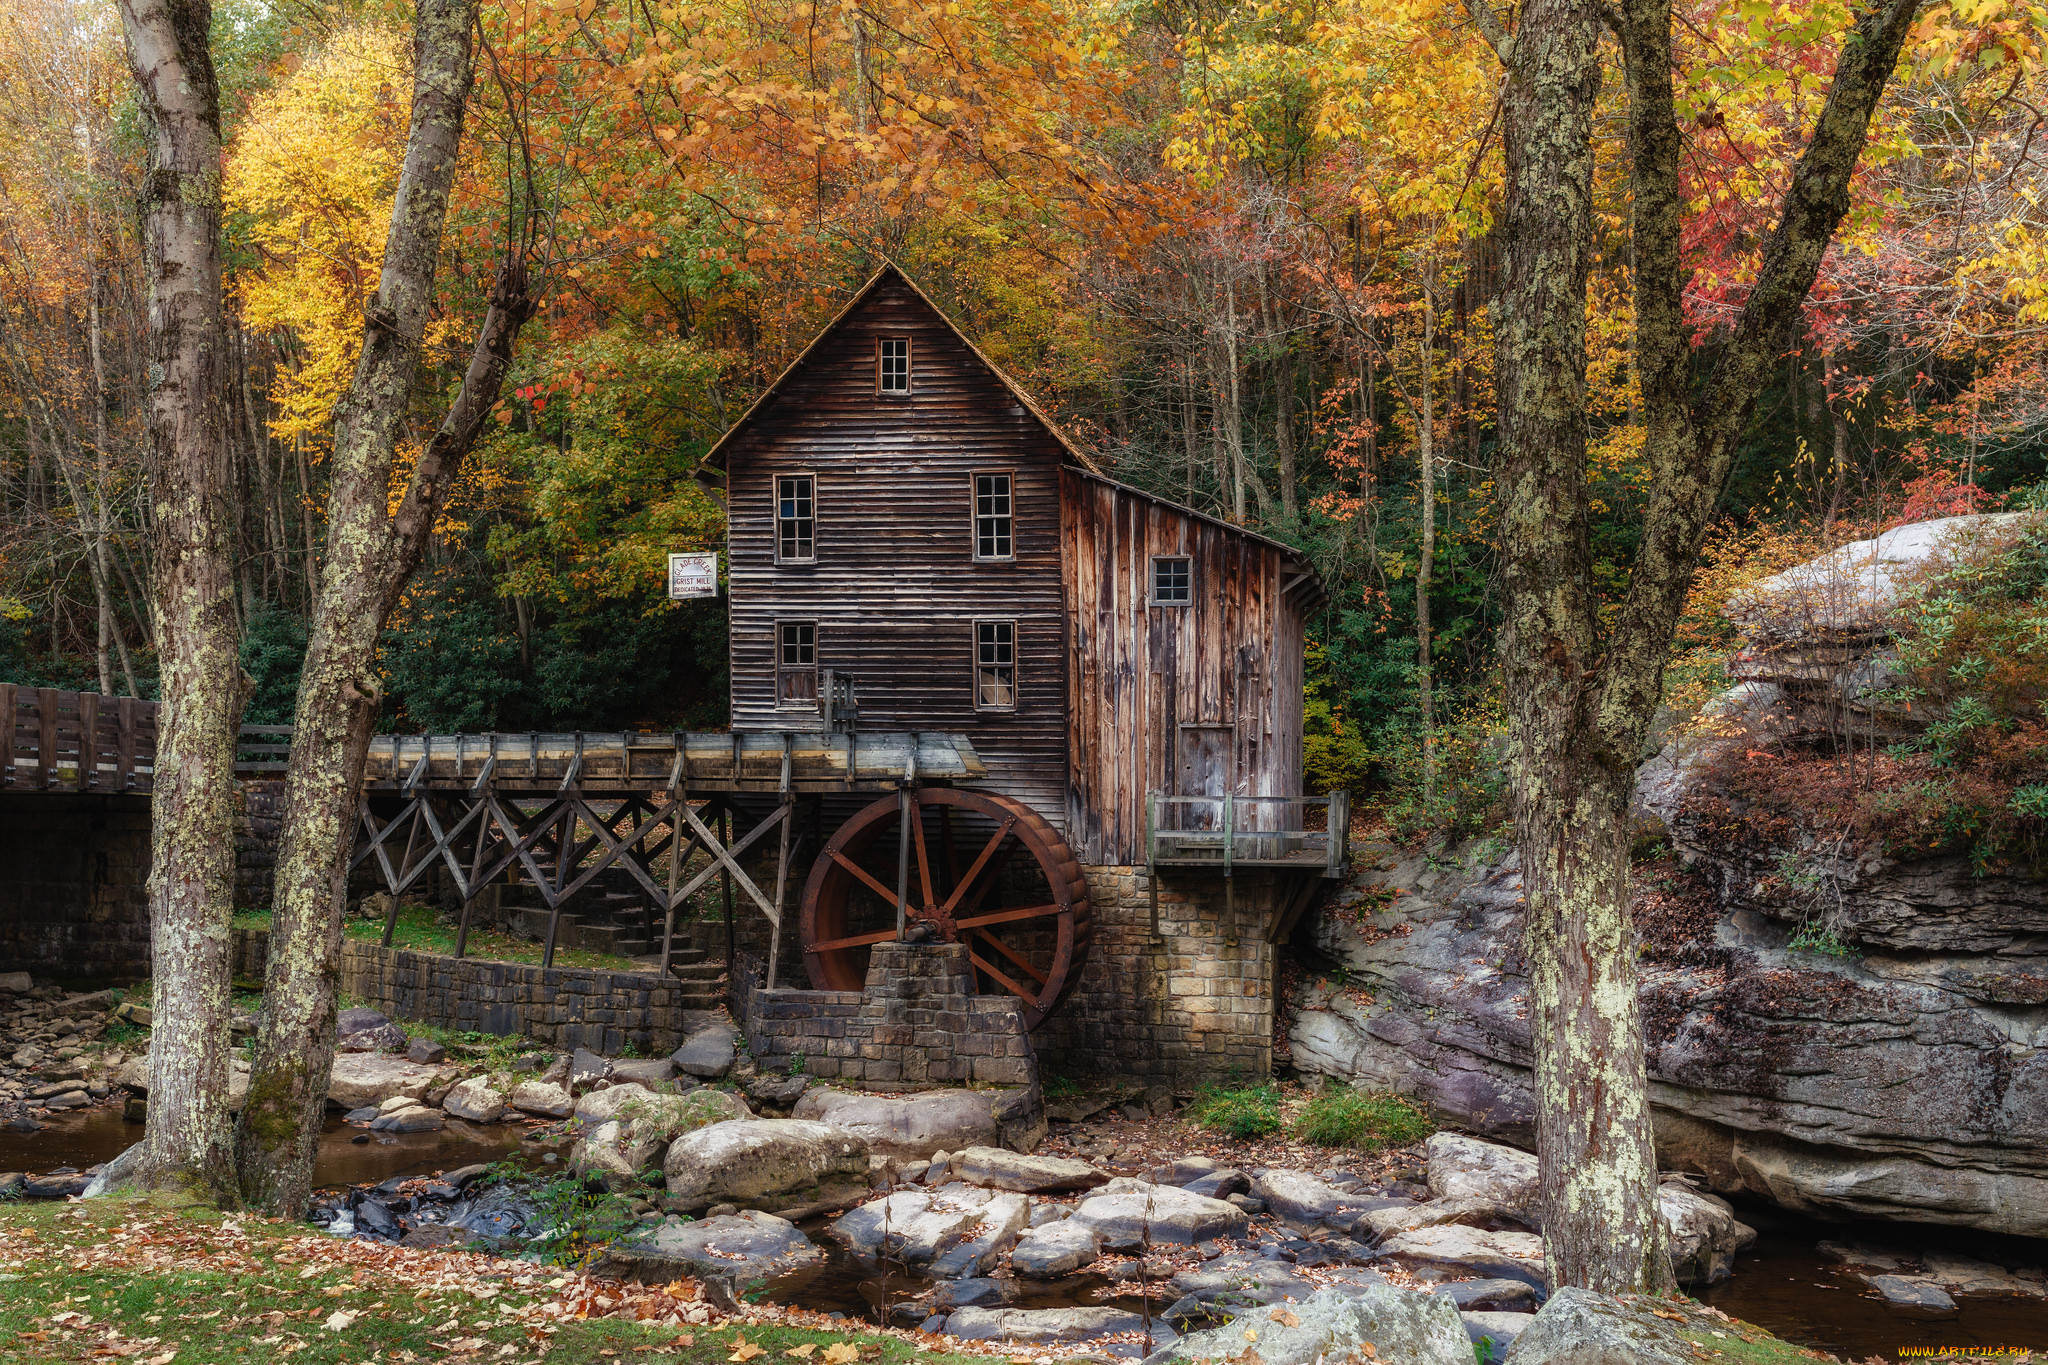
[692, 575]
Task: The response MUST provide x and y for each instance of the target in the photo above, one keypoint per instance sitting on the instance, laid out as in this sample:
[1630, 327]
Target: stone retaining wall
[917, 1024]
[563, 1007]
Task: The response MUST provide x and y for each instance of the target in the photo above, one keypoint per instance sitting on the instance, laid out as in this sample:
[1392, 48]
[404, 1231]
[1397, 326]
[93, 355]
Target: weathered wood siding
[896, 589]
[1161, 692]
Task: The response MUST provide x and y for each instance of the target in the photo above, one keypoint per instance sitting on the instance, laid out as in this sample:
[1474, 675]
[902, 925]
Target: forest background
[1242, 250]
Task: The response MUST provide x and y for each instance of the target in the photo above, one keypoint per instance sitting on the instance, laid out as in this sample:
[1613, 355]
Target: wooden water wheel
[1025, 919]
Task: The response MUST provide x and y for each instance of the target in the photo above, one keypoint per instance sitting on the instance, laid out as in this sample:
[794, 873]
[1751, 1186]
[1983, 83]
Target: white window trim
[1016, 663]
[909, 367]
[781, 704]
[974, 516]
[775, 519]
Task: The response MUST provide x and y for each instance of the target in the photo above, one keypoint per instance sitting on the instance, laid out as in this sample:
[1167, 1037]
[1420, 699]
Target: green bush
[1360, 1120]
[1246, 1111]
[1469, 795]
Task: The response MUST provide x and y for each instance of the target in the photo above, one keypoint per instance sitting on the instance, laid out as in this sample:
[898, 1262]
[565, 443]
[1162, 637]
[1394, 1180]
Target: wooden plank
[46, 737]
[7, 738]
[88, 741]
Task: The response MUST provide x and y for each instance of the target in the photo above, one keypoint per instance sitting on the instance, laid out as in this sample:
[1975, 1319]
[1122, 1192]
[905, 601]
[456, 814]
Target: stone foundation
[1177, 1002]
[916, 1025]
[562, 1007]
[74, 872]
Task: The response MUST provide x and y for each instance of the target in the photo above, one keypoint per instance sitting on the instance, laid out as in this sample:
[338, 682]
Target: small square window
[1172, 581]
[796, 663]
[892, 365]
[796, 509]
[993, 517]
[995, 665]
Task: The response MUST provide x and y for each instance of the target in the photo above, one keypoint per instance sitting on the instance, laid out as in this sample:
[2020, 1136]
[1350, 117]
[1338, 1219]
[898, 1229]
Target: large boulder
[1579, 1327]
[1041, 1325]
[1462, 1167]
[788, 1166]
[950, 1234]
[1026, 1173]
[1303, 1200]
[1469, 1252]
[1373, 1322]
[745, 1248]
[1129, 1214]
[914, 1125]
[367, 1079]
[544, 1098]
[707, 1053]
[479, 1099]
[1056, 1249]
[1702, 1234]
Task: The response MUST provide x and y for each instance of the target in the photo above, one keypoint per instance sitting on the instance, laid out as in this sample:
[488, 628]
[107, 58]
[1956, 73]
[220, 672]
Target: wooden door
[1205, 767]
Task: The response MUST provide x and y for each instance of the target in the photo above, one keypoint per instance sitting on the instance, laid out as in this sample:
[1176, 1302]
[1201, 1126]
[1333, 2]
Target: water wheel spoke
[1015, 957]
[952, 855]
[997, 976]
[857, 870]
[924, 859]
[1007, 916]
[857, 941]
[981, 861]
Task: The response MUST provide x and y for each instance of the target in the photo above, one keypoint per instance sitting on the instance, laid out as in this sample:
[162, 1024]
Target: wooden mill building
[904, 515]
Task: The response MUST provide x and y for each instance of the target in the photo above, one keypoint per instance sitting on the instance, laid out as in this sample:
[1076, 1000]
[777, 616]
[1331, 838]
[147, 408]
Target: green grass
[266, 1293]
[419, 930]
[1364, 1122]
[1243, 1111]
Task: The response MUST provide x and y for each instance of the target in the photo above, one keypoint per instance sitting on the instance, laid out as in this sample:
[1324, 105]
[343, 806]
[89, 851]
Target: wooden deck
[1226, 833]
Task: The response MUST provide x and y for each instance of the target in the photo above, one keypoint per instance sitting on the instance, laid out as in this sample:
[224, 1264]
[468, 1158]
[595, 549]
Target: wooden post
[725, 873]
[46, 735]
[88, 741]
[7, 734]
[124, 742]
[902, 858]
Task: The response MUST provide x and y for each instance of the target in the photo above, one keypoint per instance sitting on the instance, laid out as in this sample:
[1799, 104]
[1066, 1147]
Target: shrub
[1361, 1120]
[1245, 1111]
[1470, 790]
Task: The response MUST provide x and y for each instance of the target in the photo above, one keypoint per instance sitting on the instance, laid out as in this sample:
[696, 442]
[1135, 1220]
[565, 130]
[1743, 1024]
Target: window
[995, 665]
[992, 517]
[796, 512]
[796, 663]
[892, 365]
[1172, 581]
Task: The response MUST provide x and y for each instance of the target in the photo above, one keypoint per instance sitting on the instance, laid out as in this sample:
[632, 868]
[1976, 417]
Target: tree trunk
[371, 552]
[192, 846]
[1425, 561]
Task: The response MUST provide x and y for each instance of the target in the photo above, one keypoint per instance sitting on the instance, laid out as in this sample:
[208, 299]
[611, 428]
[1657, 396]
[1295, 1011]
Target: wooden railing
[1229, 832]
[59, 741]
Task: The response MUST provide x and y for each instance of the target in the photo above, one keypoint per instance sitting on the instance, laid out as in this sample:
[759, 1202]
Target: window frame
[974, 514]
[780, 557]
[1015, 679]
[909, 366]
[1152, 597]
[782, 701]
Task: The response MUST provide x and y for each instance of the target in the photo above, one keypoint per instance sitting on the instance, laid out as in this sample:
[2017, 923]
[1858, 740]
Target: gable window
[892, 365]
[796, 512]
[1173, 582]
[993, 517]
[995, 665]
[796, 663]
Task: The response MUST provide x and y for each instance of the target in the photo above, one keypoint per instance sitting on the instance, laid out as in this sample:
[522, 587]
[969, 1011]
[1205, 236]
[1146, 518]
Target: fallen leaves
[744, 1350]
[802, 1352]
[339, 1320]
[841, 1353]
[1285, 1318]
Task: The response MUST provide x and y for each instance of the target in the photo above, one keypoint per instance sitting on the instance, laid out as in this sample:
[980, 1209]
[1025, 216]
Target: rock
[383, 1038]
[369, 1078]
[131, 1012]
[1579, 1327]
[907, 1125]
[973, 1292]
[55, 1186]
[1044, 1324]
[1219, 1184]
[1401, 1216]
[707, 1053]
[1132, 1214]
[425, 1051]
[586, 1069]
[601, 1106]
[372, 1216]
[410, 1119]
[544, 1098]
[70, 1099]
[1301, 1200]
[998, 1169]
[643, 1072]
[779, 1165]
[114, 1174]
[1495, 1332]
[744, 1248]
[778, 1091]
[1490, 1296]
[1235, 1282]
[1336, 1325]
[1466, 1168]
[1471, 1251]
[947, 1235]
[1902, 1292]
[1055, 1249]
[18, 983]
[1701, 1233]
[1965, 1275]
[477, 1099]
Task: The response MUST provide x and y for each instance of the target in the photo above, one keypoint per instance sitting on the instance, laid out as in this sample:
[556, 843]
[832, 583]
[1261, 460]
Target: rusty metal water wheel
[985, 871]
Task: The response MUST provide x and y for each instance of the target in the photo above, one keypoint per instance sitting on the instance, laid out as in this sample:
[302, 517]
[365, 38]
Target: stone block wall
[74, 873]
[1186, 1000]
[562, 1007]
[917, 1024]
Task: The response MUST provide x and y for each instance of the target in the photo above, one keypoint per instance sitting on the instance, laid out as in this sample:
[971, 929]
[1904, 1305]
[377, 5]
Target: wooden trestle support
[565, 808]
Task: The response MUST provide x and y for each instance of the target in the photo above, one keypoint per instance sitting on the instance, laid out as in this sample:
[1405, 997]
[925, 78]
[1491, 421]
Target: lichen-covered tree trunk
[371, 551]
[1582, 688]
[192, 845]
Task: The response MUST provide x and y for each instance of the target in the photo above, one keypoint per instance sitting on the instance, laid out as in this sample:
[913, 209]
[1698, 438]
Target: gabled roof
[718, 454]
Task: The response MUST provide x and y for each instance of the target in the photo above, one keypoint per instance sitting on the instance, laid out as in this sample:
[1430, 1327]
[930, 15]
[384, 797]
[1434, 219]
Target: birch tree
[371, 551]
[1581, 691]
[186, 1144]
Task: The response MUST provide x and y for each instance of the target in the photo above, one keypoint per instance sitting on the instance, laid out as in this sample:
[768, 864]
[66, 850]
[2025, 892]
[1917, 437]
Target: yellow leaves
[841, 1353]
[802, 1352]
[744, 1350]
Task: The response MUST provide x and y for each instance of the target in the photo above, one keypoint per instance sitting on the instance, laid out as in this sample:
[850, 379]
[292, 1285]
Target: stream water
[1782, 1283]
